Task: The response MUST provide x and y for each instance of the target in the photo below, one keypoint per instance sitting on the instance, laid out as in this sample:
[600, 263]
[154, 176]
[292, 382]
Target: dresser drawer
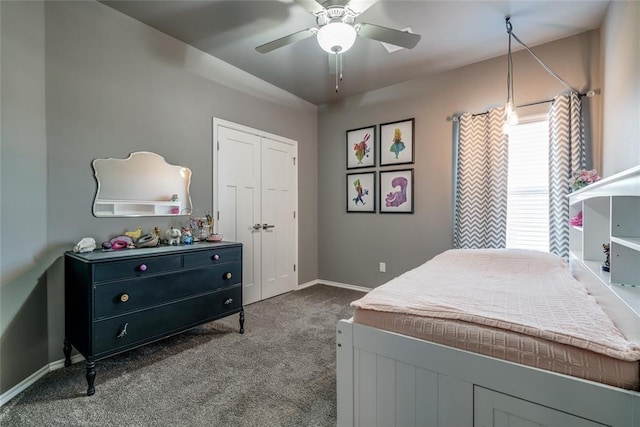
[120, 297]
[152, 324]
[212, 256]
[139, 267]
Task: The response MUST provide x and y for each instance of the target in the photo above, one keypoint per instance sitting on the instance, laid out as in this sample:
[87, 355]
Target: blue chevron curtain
[567, 154]
[481, 181]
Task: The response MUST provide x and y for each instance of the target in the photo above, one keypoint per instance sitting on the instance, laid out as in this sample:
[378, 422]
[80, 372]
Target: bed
[456, 355]
[457, 342]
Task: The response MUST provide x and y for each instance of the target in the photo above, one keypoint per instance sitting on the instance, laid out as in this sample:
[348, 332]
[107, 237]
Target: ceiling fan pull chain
[337, 75]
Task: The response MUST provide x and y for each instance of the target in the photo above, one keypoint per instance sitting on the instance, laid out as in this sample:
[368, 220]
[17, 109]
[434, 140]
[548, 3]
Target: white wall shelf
[630, 242]
[137, 207]
[611, 214]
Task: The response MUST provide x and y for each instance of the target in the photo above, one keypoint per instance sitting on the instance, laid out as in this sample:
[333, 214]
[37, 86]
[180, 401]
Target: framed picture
[361, 192]
[396, 142]
[361, 145]
[396, 191]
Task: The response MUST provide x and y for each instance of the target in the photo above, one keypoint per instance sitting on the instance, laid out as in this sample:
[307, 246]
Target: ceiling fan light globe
[336, 37]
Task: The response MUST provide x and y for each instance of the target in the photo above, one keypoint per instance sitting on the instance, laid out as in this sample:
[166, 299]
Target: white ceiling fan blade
[311, 5]
[388, 35]
[283, 41]
[359, 6]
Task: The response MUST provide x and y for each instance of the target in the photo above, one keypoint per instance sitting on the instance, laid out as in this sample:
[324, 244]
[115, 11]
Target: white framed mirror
[143, 184]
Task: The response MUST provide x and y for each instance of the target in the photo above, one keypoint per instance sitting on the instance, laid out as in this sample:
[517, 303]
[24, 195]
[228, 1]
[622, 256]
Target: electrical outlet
[383, 267]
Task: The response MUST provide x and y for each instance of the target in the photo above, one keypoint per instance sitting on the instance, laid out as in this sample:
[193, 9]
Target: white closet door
[256, 203]
[278, 216]
[238, 169]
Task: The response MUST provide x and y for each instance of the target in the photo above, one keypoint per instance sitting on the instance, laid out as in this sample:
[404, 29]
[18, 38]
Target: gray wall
[23, 175]
[621, 64]
[352, 245]
[106, 85]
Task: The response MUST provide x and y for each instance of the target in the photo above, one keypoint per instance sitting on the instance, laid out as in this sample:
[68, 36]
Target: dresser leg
[242, 321]
[66, 348]
[91, 376]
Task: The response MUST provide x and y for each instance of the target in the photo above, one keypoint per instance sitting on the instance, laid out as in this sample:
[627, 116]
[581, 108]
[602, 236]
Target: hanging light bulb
[336, 37]
[510, 117]
[512, 114]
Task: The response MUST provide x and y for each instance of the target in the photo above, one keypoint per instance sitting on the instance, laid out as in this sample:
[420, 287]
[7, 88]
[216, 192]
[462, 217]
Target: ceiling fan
[337, 29]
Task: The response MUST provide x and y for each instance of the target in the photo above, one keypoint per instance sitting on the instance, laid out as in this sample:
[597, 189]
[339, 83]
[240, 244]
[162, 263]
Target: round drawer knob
[143, 267]
[124, 297]
[215, 257]
[228, 275]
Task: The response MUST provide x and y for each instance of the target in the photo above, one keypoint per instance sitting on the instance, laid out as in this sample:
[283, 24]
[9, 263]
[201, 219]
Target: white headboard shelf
[610, 215]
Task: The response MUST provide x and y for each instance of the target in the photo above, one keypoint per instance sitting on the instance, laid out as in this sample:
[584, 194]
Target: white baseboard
[306, 285]
[24, 384]
[335, 284]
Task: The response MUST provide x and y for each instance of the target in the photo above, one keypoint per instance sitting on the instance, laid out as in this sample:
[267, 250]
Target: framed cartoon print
[396, 142]
[361, 147]
[361, 192]
[396, 191]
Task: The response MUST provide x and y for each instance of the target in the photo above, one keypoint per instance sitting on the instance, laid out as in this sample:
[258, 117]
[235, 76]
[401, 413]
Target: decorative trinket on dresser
[215, 237]
[149, 240]
[135, 234]
[172, 236]
[87, 244]
[187, 238]
[120, 242]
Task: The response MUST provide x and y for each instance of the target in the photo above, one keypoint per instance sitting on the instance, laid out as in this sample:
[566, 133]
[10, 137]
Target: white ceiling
[454, 33]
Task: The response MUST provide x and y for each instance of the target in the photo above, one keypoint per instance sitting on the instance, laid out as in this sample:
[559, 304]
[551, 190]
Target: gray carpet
[281, 372]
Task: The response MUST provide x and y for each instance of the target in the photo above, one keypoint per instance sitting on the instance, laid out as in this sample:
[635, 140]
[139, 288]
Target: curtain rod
[588, 94]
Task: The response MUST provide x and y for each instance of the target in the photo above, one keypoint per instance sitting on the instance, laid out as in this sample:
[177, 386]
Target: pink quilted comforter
[528, 292]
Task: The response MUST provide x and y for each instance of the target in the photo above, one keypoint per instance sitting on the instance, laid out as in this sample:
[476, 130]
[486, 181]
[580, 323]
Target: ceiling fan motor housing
[336, 14]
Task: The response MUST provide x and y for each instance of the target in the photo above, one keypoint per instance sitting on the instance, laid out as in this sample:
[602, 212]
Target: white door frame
[216, 123]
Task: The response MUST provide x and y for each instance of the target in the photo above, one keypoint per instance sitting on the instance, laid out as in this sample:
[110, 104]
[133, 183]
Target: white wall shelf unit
[610, 214]
[137, 207]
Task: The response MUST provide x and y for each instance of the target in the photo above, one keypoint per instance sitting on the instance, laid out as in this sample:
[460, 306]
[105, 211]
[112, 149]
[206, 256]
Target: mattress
[516, 305]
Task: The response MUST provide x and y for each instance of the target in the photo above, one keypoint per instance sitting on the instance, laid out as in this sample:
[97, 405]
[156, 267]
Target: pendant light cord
[509, 69]
[545, 66]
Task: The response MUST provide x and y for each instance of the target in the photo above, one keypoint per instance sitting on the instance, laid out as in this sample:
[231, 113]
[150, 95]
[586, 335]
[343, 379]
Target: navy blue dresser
[119, 300]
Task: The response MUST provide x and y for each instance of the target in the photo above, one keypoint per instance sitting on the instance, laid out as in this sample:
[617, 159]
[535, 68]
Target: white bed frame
[389, 379]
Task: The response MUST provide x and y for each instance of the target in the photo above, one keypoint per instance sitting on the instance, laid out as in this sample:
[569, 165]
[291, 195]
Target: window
[528, 185]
